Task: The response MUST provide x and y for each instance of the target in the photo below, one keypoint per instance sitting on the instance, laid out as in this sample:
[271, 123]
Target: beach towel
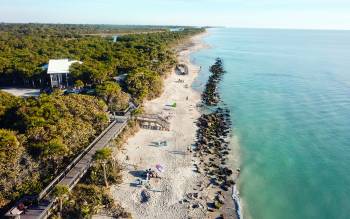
[160, 168]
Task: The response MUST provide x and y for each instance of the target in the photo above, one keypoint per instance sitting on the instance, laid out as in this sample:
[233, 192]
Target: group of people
[151, 174]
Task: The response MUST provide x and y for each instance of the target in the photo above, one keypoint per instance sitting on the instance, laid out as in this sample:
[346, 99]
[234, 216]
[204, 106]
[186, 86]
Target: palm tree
[102, 156]
[61, 192]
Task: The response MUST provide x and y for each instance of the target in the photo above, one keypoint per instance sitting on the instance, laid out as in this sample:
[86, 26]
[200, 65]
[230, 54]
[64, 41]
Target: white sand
[140, 153]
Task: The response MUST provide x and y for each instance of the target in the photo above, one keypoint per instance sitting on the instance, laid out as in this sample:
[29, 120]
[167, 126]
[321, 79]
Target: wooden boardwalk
[73, 172]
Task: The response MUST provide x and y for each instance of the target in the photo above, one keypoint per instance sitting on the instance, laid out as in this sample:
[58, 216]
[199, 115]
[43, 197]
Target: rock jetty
[210, 95]
[211, 150]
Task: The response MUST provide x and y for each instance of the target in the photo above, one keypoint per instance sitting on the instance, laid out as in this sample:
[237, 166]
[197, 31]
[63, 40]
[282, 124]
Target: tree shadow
[134, 184]
[211, 205]
[154, 144]
[138, 173]
[177, 152]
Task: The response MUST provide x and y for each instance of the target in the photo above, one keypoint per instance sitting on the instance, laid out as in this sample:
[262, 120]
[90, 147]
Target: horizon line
[178, 25]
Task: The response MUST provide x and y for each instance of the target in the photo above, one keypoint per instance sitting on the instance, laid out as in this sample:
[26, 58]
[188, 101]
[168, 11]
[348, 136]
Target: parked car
[72, 91]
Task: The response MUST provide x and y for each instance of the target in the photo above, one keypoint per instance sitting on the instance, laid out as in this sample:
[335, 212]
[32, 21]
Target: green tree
[113, 95]
[54, 148]
[56, 127]
[144, 84]
[87, 200]
[62, 193]
[102, 156]
[79, 84]
[19, 173]
[8, 107]
[10, 148]
[79, 72]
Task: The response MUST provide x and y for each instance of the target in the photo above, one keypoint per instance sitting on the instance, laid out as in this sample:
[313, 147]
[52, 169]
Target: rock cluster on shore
[210, 95]
[212, 148]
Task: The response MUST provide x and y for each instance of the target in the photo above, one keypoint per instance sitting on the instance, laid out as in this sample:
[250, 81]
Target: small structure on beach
[181, 69]
[153, 121]
[58, 71]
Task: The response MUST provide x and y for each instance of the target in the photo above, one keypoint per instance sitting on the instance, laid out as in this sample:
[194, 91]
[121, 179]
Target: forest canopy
[25, 49]
[42, 136]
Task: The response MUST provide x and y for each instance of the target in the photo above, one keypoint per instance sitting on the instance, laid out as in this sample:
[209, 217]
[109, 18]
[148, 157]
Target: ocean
[289, 96]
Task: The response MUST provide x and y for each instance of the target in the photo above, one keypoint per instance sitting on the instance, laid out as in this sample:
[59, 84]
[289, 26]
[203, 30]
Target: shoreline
[214, 146]
[180, 193]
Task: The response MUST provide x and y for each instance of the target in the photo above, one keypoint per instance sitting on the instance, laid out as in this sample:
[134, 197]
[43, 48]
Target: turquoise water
[289, 95]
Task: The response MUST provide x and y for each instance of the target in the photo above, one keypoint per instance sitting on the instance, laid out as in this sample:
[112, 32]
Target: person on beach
[189, 148]
[148, 174]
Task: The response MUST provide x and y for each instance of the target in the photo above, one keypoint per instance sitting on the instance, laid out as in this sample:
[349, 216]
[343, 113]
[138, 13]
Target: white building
[58, 70]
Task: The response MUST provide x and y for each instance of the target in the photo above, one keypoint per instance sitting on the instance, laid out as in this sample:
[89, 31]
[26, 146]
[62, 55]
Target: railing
[155, 118]
[163, 121]
[81, 174]
[48, 188]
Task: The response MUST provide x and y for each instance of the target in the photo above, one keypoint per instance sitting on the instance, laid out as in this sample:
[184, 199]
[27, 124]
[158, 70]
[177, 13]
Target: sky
[295, 14]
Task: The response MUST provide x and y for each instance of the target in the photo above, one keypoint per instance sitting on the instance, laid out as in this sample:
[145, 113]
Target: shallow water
[289, 96]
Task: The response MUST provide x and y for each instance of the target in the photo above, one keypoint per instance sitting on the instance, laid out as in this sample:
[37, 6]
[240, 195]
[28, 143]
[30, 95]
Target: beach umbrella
[160, 168]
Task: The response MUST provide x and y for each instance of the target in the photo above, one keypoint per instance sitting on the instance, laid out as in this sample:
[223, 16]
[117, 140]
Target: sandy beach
[182, 192]
[140, 151]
